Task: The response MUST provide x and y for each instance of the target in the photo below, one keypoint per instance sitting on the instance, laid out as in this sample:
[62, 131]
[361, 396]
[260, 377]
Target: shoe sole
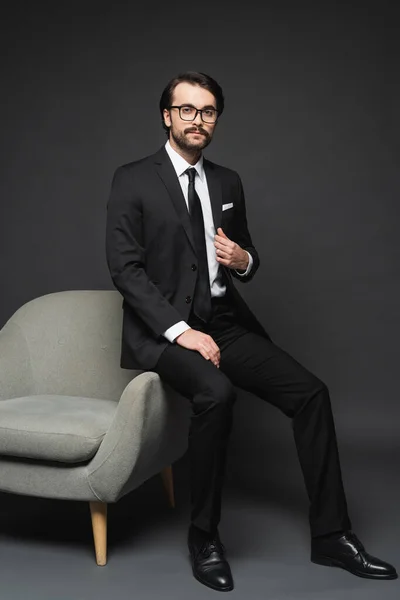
[330, 562]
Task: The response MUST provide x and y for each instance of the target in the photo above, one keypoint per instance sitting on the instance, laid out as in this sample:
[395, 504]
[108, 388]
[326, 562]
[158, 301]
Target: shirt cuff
[247, 271]
[172, 332]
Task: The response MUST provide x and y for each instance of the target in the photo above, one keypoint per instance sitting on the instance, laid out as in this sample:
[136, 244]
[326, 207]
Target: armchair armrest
[145, 424]
[16, 378]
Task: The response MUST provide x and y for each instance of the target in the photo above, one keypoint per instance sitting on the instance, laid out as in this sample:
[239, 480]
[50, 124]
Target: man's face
[190, 135]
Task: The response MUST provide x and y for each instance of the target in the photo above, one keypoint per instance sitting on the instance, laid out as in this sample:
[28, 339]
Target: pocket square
[226, 206]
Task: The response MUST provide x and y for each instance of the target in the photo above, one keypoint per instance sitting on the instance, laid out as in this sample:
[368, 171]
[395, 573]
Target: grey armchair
[73, 424]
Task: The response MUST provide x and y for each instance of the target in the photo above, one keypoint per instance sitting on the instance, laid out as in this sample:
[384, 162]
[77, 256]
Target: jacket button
[188, 299]
[194, 268]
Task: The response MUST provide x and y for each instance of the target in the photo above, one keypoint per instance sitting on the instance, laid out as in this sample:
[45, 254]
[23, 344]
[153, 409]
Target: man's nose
[198, 120]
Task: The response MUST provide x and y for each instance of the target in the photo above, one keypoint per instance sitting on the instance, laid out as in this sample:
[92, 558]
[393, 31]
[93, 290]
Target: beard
[184, 142]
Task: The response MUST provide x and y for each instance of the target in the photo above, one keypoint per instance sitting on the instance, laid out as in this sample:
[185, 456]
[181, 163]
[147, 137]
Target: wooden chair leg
[168, 482]
[98, 511]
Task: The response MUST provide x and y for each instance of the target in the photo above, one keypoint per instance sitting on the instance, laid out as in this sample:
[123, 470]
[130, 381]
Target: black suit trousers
[253, 363]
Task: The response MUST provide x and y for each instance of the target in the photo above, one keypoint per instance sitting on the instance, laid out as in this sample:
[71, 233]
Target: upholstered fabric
[63, 428]
[60, 374]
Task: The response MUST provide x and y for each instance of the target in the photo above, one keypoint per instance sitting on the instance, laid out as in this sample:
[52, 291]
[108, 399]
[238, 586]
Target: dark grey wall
[311, 124]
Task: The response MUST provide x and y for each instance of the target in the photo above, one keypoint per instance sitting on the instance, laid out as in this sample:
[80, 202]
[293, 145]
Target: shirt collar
[180, 164]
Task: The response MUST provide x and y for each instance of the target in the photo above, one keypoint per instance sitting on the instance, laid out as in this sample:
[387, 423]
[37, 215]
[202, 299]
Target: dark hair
[195, 78]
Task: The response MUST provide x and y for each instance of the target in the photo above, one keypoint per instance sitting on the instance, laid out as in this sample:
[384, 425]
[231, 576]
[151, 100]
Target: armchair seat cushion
[67, 429]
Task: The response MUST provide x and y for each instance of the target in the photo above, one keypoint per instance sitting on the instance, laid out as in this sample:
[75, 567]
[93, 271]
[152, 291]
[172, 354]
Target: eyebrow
[204, 107]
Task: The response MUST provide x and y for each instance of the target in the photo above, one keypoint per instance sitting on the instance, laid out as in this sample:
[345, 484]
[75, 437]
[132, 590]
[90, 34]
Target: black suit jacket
[151, 255]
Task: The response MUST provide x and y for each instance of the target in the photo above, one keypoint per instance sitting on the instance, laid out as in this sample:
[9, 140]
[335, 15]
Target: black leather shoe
[349, 553]
[209, 565]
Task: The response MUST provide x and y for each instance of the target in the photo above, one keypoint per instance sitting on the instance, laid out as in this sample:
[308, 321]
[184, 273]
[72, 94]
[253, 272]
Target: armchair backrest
[72, 340]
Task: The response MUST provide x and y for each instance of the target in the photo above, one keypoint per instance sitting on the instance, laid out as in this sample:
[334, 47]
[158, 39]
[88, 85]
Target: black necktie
[202, 295]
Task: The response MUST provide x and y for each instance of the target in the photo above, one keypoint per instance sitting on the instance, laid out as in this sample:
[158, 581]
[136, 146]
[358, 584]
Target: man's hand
[229, 253]
[203, 343]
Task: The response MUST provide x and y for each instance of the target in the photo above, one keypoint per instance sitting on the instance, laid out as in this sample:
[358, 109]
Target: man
[176, 235]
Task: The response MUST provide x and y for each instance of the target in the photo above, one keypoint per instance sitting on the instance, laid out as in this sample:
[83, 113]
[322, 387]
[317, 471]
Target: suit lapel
[168, 176]
[215, 191]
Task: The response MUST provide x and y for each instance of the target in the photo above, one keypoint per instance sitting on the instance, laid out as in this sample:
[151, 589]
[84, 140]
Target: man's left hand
[229, 253]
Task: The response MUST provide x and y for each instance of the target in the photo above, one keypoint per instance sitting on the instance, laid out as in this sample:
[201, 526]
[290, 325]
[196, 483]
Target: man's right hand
[203, 343]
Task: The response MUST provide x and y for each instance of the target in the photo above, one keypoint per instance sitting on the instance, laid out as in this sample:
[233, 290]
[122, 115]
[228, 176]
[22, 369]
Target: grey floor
[47, 553]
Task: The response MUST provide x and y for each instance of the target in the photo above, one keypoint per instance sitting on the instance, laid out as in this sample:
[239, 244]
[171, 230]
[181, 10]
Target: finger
[212, 358]
[222, 254]
[204, 354]
[221, 231]
[213, 353]
[223, 247]
[213, 344]
[215, 349]
[227, 249]
[224, 241]
[207, 351]
[222, 237]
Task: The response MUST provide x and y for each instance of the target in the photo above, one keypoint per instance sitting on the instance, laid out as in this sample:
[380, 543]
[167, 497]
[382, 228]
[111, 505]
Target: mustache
[201, 131]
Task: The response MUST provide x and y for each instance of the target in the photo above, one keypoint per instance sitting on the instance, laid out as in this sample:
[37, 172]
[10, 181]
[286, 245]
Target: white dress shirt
[217, 288]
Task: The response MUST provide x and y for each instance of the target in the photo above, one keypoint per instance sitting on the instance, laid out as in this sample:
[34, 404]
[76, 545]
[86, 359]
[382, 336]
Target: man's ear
[167, 117]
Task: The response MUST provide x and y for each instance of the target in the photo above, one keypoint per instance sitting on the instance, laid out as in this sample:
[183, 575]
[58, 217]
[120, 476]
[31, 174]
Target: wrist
[181, 334]
[245, 262]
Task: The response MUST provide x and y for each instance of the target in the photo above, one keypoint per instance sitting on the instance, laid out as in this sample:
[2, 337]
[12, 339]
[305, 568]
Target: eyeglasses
[189, 113]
